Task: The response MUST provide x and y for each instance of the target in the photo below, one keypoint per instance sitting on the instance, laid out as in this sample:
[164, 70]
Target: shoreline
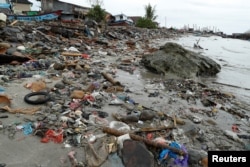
[116, 57]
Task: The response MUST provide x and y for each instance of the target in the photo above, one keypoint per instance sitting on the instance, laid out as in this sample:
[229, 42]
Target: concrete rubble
[83, 89]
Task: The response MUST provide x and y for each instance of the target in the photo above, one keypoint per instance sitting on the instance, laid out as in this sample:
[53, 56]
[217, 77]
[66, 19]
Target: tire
[39, 101]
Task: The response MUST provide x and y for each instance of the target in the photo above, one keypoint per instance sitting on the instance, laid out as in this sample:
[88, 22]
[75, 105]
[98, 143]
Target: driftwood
[146, 141]
[110, 79]
[174, 119]
[71, 54]
[14, 22]
[29, 111]
[114, 89]
[44, 35]
[155, 129]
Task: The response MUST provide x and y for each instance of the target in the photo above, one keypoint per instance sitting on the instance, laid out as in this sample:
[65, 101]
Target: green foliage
[97, 13]
[146, 23]
[95, 2]
[150, 12]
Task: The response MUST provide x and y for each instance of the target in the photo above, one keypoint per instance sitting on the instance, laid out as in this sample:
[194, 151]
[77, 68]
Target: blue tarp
[5, 5]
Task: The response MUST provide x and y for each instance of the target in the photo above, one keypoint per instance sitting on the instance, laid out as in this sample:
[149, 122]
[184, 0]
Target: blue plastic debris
[167, 154]
[27, 128]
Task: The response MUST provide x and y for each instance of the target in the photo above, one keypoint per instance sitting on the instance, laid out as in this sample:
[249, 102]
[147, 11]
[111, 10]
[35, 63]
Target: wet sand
[28, 151]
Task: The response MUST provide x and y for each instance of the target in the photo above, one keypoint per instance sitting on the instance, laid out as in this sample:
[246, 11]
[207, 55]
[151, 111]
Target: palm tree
[150, 12]
[95, 2]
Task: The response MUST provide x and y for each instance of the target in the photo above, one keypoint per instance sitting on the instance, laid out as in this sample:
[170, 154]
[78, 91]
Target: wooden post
[110, 79]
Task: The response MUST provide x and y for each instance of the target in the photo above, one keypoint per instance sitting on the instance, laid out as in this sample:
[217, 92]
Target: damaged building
[70, 11]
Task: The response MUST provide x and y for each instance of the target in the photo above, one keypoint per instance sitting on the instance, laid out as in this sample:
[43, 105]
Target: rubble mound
[175, 60]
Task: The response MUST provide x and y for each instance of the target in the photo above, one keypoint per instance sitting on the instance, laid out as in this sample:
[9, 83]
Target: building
[68, 8]
[244, 36]
[135, 18]
[5, 6]
[20, 6]
[247, 32]
[120, 20]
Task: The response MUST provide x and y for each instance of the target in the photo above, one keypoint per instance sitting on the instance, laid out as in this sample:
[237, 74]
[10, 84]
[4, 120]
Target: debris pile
[84, 91]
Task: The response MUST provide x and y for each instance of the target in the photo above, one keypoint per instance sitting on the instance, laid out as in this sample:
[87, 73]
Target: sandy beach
[204, 128]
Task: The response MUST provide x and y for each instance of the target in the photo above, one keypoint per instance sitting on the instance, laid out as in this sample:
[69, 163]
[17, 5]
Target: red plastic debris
[85, 56]
[89, 97]
[150, 136]
[54, 136]
[73, 105]
[235, 128]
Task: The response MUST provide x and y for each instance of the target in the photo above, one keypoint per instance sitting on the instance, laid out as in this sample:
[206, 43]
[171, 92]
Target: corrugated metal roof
[22, 1]
[81, 3]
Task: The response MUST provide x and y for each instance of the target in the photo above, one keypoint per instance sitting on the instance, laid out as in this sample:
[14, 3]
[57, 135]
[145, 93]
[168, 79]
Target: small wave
[237, 66]
[232, 51]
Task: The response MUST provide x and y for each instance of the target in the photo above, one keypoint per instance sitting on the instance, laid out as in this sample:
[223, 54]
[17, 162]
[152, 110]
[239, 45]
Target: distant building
[237, 34]
[5, 6]
[244, 36]
[135, 18]
[190, 30]
[120, 20]
[68, 8]
[19, 6]
[247, 32]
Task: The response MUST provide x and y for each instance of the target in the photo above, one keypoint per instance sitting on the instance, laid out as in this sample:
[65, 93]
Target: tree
[97, 13]
[145, 23]
[150, 12]
[95, 2]
[148, 21]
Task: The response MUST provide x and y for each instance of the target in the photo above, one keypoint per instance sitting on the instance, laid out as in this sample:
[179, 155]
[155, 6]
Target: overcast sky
[229, 16]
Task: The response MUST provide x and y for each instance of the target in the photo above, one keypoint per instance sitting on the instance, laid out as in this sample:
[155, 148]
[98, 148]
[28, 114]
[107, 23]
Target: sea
[232, 54]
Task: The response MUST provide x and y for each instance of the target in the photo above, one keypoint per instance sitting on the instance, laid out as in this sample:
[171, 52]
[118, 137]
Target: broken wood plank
[71, 54]
[44, 35]
[146, 141]
[110, 79]
[150, 129]
[14, 22]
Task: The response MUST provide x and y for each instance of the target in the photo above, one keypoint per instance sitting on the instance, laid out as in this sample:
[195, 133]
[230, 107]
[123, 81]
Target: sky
[229, 16]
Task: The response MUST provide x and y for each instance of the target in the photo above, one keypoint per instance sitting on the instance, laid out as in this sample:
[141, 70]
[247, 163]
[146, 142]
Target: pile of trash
[76, 98]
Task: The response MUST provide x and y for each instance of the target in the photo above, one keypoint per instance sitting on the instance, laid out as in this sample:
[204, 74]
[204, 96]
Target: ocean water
[234, 57]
